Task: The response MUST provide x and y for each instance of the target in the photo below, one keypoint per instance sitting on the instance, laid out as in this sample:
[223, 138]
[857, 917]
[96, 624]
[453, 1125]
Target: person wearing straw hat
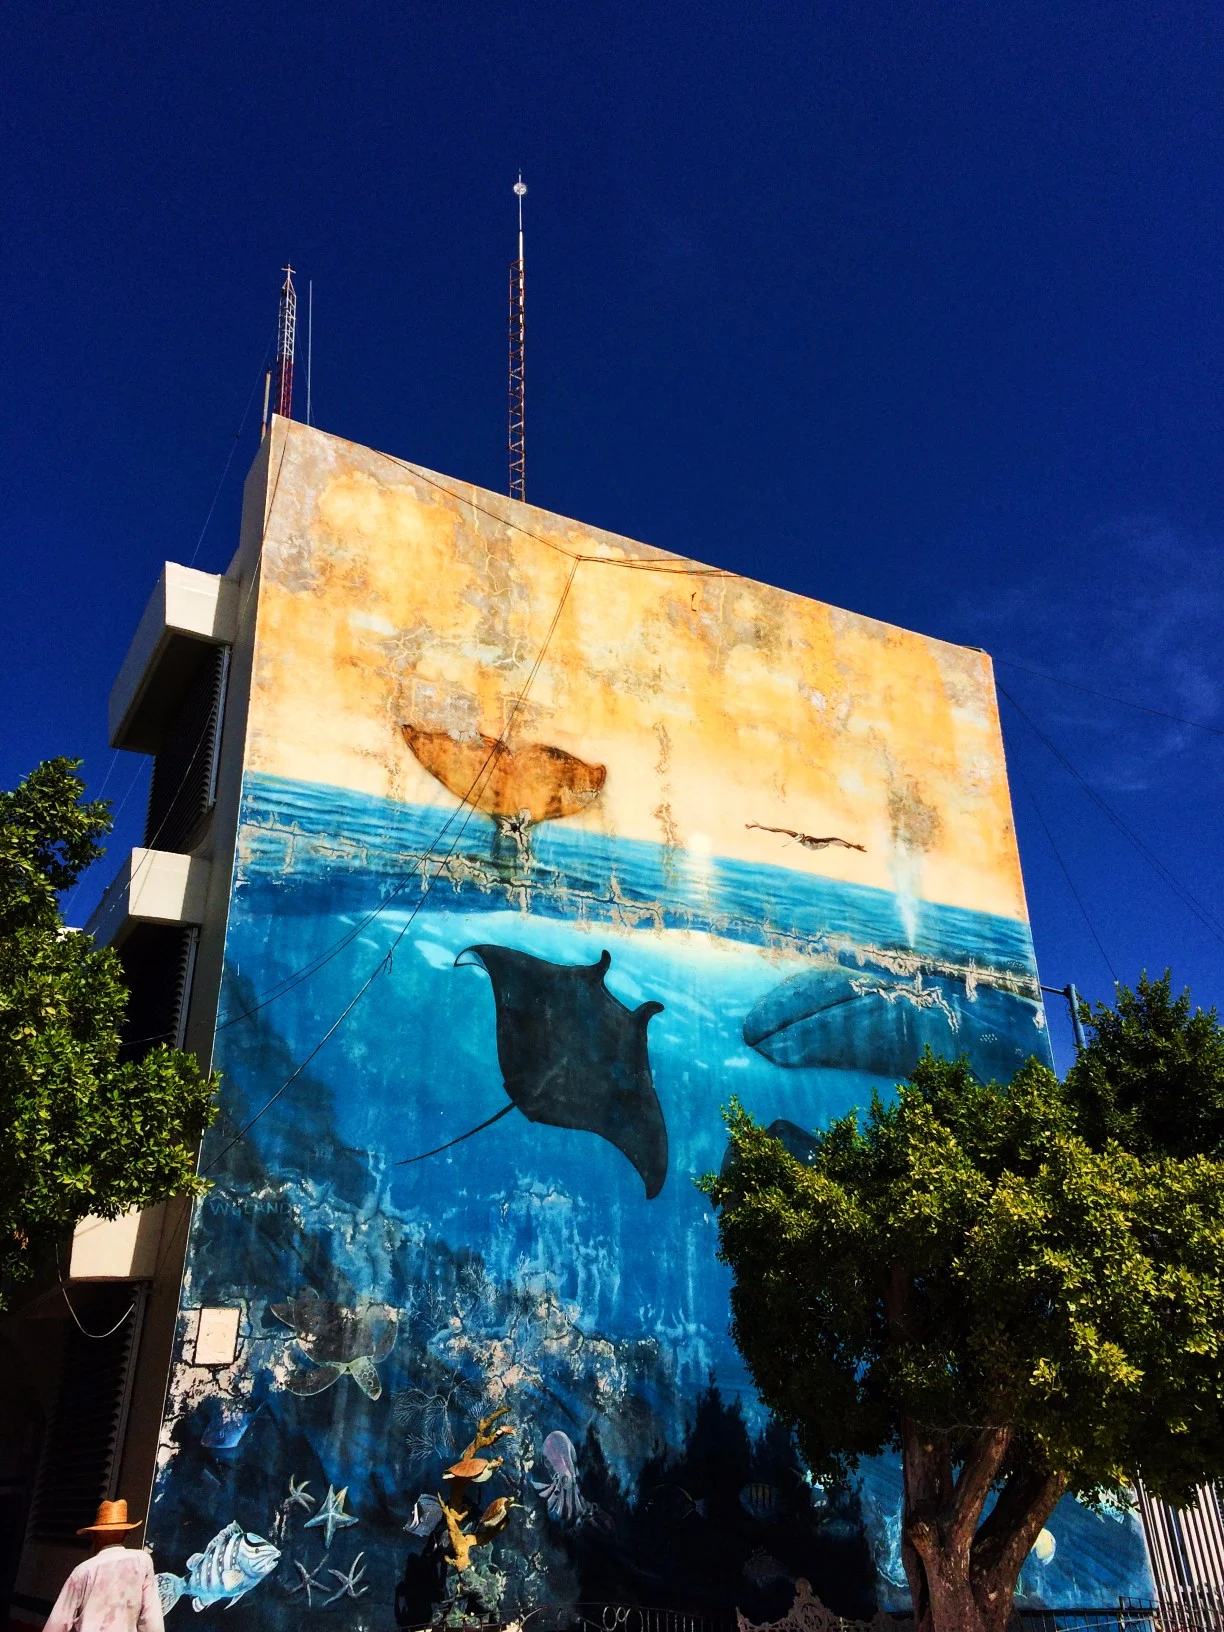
[115, 1590]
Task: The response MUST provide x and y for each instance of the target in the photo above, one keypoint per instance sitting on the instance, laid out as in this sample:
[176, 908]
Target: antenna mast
[286, 334]
[518, 337]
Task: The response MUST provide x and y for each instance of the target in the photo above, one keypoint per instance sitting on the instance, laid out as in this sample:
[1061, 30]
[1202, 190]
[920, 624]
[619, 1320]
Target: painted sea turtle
[336, 1341]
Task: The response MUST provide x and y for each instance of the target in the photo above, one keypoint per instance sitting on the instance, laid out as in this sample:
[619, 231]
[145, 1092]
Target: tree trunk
[935, 1544]
[1006, 1538]
[952, 1582]
[948, 1604]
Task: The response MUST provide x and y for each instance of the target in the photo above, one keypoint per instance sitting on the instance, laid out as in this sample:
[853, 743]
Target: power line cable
[233, 449]
[114, 818]
[307, 971]
[114, 760]
[1184, 894]
[1045, 827]
[385, 961]
[136, 775]
[199, 541]
[97, 1336]
[1125, 702]
[72, 893]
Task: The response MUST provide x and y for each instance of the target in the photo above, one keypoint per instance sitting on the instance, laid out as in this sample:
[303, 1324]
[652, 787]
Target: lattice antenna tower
[518, 342]
[286, 336]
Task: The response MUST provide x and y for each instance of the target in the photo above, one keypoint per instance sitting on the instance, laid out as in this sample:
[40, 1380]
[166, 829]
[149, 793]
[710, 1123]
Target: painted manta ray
[572, 1055]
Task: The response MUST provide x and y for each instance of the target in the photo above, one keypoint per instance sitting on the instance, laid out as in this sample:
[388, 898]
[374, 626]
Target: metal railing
[1128, 1616]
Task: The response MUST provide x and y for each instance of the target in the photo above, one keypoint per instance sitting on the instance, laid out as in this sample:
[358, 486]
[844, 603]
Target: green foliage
[964, 1279]
[80, 1133]
[1152, 1075]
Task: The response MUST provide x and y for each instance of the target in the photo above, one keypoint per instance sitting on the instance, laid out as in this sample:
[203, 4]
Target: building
[488, 855]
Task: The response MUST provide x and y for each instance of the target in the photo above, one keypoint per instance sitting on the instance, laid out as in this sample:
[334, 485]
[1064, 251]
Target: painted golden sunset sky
[393, 596]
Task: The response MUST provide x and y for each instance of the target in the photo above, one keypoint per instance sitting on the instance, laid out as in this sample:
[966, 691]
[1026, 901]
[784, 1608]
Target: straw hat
[112, 1520]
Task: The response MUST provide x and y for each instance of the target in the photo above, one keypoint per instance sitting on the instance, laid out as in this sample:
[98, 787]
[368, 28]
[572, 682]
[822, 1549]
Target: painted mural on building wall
[540, 860]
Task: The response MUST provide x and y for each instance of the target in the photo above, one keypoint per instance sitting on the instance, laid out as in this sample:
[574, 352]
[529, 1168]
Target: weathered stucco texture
[391, 595]
[508, 928]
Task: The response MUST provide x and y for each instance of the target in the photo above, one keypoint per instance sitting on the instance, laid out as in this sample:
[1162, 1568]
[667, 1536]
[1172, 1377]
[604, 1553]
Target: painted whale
[852, 1017]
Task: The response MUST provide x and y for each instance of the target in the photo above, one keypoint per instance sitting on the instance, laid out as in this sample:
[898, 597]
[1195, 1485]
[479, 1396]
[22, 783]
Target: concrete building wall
[526, 828]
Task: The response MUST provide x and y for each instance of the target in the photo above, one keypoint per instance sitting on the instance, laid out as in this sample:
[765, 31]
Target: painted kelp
[590, 1004]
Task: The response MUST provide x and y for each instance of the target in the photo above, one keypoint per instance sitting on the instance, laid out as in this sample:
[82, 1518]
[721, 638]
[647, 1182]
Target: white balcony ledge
[188, 612]
[152, 887]
[117, 1249]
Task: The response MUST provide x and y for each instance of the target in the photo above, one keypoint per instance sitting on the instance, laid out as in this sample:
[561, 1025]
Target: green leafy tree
[80, 1132]
[1152, 1074]
[963, 1279]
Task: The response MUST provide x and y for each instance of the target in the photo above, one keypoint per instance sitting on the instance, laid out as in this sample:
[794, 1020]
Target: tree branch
[1006, 1537]
[978, 1473]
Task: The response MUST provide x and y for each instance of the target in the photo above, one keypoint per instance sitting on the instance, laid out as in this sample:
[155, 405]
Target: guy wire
[385, 961]
[1071, 884]
[233, 449]
[291, 981]
[1185, 895]
[1107, 696]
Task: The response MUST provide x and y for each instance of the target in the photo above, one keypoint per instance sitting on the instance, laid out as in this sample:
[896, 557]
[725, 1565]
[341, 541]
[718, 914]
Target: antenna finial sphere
[520, 187]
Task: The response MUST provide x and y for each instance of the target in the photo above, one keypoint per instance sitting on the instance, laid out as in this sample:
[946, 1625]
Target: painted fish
[338, 1342]
[761, 1502]
[672, 1503]
[426, 1516]
[230, 1421]
[560, 1493]
[233, 1562]
[762, 1569]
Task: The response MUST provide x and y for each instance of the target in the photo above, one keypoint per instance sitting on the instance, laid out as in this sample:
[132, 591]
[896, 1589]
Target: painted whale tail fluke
[169, 1589]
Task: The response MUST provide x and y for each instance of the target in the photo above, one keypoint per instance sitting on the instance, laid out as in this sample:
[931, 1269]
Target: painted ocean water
[527, 1264]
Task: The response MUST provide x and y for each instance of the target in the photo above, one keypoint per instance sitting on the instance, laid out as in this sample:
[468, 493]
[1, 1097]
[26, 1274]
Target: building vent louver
[158, 963]
[80, 1461]
[1186, 1552]
[184, 785]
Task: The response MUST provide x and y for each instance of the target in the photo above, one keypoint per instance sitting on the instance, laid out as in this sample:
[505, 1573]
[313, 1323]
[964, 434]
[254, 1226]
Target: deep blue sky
[916, 308]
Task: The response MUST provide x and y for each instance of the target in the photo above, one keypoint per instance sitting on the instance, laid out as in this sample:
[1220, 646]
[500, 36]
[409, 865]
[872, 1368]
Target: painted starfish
[308, 1581]
[349, 1584]
[299, 1495]
[331, 1516]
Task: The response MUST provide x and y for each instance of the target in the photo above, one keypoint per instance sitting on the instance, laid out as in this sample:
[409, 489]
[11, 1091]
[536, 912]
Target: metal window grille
[158, 964]
[81, 1452]
[184, 785]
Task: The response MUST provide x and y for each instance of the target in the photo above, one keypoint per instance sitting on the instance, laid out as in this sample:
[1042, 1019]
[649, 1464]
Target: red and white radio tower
[518, 339]
[286, 335]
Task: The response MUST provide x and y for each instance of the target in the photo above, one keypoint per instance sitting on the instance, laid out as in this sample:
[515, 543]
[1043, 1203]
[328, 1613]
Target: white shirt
[114, 1591]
